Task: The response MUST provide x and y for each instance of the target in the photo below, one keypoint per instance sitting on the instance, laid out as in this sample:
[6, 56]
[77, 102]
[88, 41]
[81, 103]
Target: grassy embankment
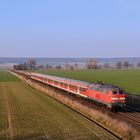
[127, 79]
[28, 114]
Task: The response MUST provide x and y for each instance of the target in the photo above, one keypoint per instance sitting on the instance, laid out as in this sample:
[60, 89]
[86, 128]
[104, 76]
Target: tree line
[31, 64]
[93, 64]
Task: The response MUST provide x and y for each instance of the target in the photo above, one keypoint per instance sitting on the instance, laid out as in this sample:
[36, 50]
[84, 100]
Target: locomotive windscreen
[121, 92]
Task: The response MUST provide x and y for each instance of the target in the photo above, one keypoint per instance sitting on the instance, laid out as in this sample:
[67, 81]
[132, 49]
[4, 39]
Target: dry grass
[122, 129]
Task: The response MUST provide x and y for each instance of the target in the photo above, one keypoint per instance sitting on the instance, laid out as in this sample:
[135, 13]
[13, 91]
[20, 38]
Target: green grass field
[5, 76]
[28, 114]
[127, 79]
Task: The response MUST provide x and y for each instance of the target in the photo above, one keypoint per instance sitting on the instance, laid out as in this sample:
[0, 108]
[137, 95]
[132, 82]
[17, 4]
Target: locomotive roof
[61, 79]
[105, 86]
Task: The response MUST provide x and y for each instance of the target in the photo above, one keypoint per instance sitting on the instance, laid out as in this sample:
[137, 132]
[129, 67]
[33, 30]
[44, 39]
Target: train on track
[110, 96]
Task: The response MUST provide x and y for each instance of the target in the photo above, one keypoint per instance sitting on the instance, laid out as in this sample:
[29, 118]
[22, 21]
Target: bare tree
[71, 67]
[40, 67]
[106, 65]
[126, 64]
[132, 65]
[58, 67]
[67, 66]
[138, 65]
[49, 66]
[92, 64]
[75, 66]
[31, 63]
[119, 65]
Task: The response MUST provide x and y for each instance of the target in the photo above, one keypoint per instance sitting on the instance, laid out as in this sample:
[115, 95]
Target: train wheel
[123, 109]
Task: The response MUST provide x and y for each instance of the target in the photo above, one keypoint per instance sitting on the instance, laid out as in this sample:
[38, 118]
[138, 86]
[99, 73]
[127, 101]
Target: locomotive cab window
[120, 92]
[114, 92]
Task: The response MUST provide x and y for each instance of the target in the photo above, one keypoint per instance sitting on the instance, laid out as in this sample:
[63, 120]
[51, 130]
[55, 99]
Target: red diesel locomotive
[112, 97]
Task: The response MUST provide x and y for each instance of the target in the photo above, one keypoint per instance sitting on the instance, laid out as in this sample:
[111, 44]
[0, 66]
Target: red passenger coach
[108, 95]
[70, 85]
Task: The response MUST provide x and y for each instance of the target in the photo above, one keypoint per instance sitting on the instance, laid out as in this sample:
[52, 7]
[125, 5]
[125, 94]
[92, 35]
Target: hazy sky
[70, 28]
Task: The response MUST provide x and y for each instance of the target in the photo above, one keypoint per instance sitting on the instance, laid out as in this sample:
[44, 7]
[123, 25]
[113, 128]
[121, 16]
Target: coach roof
[56, 78]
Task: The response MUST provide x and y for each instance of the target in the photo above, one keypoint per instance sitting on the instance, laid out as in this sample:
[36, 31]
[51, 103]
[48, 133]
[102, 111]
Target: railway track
[130, 118]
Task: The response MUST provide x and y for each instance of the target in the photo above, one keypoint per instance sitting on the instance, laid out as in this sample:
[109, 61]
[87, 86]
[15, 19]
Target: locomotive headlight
[114, 99]
[123, 98]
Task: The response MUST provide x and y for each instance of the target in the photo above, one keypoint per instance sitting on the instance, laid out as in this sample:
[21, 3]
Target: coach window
[65, 85]
[73, 87]
[82, 89]
[61, 84]
[55, 82]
